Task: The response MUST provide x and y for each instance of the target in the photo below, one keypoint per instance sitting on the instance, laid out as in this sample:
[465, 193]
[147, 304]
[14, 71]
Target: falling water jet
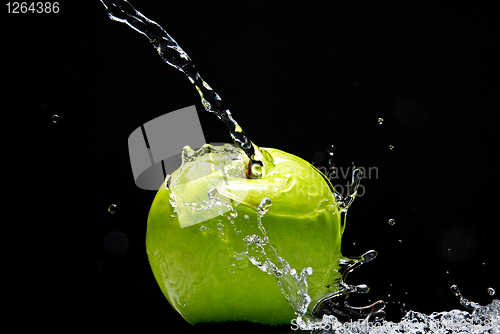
[260, 162]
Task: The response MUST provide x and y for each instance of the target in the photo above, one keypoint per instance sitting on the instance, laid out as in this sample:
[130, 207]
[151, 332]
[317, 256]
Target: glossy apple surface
[199, 256]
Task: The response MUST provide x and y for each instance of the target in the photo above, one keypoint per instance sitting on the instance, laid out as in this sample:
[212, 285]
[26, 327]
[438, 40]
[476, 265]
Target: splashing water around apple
[240, 232]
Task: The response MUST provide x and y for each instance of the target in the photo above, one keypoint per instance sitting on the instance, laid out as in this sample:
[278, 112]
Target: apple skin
[200, 269]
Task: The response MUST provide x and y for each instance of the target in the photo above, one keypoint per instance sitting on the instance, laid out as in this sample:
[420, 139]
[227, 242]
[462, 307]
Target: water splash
[168, 49]
[336, 304]
[224, 162]
[482, 320]
[471, 306]
[207, 168]
[262, 254]
[345, 202]
[212, 167]
[479, 320]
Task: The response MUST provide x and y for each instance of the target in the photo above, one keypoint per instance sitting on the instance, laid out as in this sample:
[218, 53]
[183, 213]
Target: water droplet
[491, 291]
[113, 208]
[233, 214]
[455, 290]
[246, 216]
[400, 241]
[206, 104]
[391, 147]
[203, 228]
[380, 121]
[331, 150]
[484, 264]
[167, 181]
[449, 250]
[264, 206]
[55, 118]
[447, 271]
[354, 244]
[392, 222]
[220, 226]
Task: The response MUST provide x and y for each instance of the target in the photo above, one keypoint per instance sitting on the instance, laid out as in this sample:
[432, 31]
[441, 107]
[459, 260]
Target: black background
[299, 77]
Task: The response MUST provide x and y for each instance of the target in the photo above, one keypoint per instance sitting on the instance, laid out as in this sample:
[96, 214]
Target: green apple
[203, 226]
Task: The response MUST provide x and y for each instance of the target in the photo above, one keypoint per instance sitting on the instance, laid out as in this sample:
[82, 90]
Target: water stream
[174, 55]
